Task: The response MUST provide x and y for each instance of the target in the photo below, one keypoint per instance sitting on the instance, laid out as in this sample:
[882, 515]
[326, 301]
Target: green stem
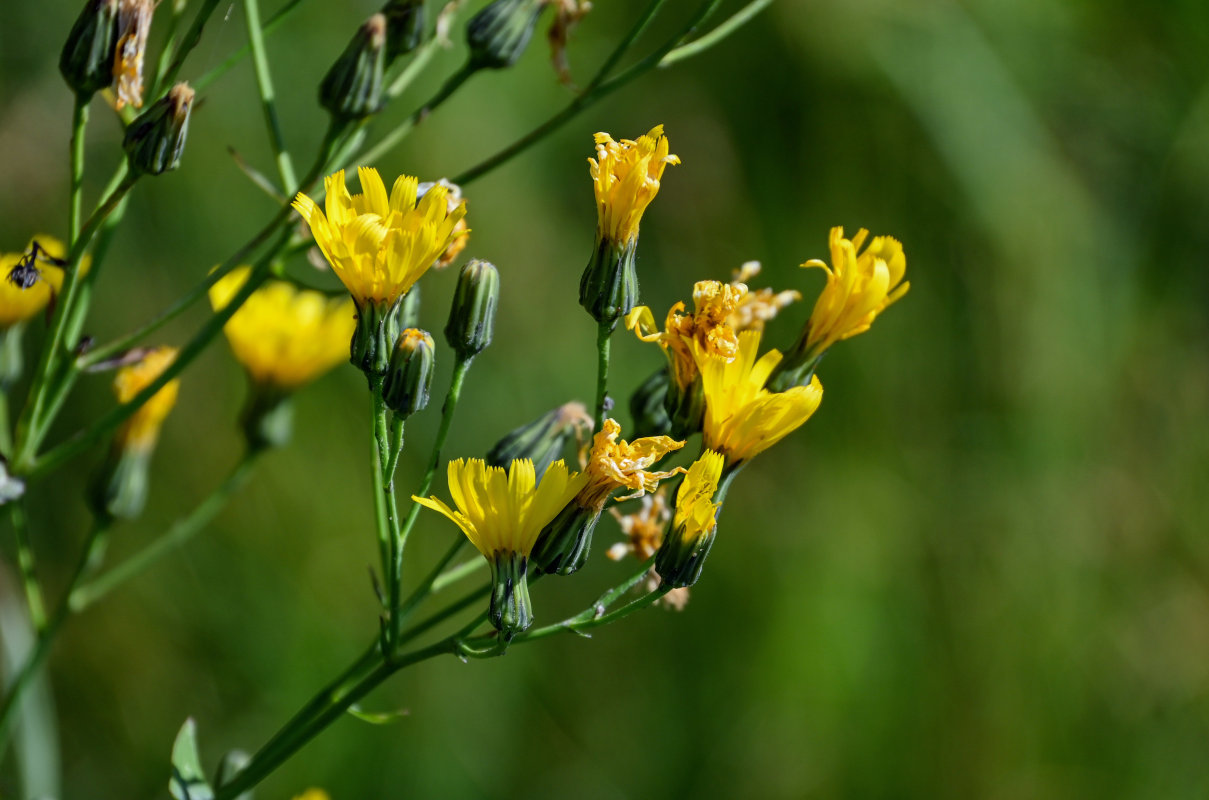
[396, 446]
[452, 576]
[28, 566]
[604, 334]
[190, 41]
[732, 24]
[169, 48]
[436, 573]
[79, 123]
[271, 25]
[171, 540]
[264, 81]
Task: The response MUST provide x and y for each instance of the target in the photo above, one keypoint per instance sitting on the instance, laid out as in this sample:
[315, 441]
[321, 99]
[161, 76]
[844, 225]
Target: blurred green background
[981, 570]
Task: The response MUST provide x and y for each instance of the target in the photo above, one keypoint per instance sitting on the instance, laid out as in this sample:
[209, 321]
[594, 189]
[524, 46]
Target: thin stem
[79, 123]
[396, 446]
[604, 334]
[732, 24]
[426, 585]
[169, 48]
[190, 41]
[28, 566]
[264, 81]
[456, 574]
[270, 25]
[171, 540]
[386, 541]
[625, 44]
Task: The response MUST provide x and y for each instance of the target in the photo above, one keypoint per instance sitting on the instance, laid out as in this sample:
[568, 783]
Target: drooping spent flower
[643, 528]
[284, 337]
[133, 28]
[742, 418]
[681, 556]
[685, 339]
[625, 176]
[860, 285]
[756, 307]
[501, 512]
[379, 246]
[119, 488]
[563, 545]
[567, 14]
[542, 440]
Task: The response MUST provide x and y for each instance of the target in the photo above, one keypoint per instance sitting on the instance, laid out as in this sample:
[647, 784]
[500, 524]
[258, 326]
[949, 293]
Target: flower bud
[647, 406]
[608, 289]
[685, 407]
[542, 440]
[681, 558]
[409, 376]
[499, 34]
[88, 54]
[562, 546]
[156, 139]
[374, 337]
[405, 23]
[511, 611]
[267, 419]
[682, 554]
[472, 315]
[352, 88]
[119, 488]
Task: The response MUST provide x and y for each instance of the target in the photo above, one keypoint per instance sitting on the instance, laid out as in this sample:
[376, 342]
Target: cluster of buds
[106, 48]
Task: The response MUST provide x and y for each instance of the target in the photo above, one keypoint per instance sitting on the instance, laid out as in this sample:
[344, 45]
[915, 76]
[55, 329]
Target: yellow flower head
[644, 528]
[758, 307]
[285, 337]
[859, 287]
[695, 506]
[685, 337]
[313, 794]
[613, 465]
[17, 304]
[380, 245]
[626, 177]
[742, 418]
[142, 429]
[502, 512]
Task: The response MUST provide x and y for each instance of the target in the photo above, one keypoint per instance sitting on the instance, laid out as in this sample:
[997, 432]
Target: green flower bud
[405, 23]
[681, 557]
[647, 406]
[88, 54]
[542, 440]
[511, 611]
[267, 419]
[352, 88]
[374, 338]
[409, 376]
[685, 408]
[472, 315]
[499, 34]
[796, 368]
[562, 546]
[409, 310]
[609, 286]
[156, 139]
[119, 487]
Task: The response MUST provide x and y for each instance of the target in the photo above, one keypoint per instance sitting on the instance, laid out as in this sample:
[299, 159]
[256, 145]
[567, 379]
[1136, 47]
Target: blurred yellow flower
[503, 511]
[742, 418]
[616, 464]
[140, 431]
[860, 285]
[380, 245]
[284, 336]
[626, 175]
[756, 307]
[643, 528]
[313, 794]
[17, 304]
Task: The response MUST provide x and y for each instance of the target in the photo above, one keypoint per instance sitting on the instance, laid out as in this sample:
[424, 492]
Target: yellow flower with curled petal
[17, 304]
[742, 418]
[379, 245]
[682, 554]
[141, 430]
[501, 512]
[616, 464]
[626, 175]
[860, 285]
[284, 336]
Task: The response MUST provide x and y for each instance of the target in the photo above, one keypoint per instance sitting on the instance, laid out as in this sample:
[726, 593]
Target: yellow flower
[742, 418]
[503, 511]
[380, 245]
[17, 304]
[313, 794]
[614, 465]
[859, 287]
[142, 429]
[284, 337]
[758, 307]
[705, 331]
[682, 554]
[626, 177]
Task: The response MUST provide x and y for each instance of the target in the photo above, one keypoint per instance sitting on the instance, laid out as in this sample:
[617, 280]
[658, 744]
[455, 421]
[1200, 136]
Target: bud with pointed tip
[155, 140]
[543, 439]
[352, 88]
[405, 23]
[472, 315]
[88, 54]
[499, 34]
[409, 376]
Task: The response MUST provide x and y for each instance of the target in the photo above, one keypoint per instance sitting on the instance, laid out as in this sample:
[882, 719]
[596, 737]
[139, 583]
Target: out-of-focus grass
[980, 570]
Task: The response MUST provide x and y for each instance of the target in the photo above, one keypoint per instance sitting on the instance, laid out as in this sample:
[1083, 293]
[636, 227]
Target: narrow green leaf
[377, 717]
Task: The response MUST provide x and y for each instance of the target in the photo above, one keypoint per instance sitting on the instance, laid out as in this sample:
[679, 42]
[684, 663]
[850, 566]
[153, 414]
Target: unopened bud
[685, 408]
[681, 557]
[562, 546]
[409, 377]
[156, 139]
[352, 88]
[499, 34]
[374, 338]
[405, 23]
[647, 406]
[472, 315]
[88, 54]
[511, 611]
[541, 440]
[608, 288]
